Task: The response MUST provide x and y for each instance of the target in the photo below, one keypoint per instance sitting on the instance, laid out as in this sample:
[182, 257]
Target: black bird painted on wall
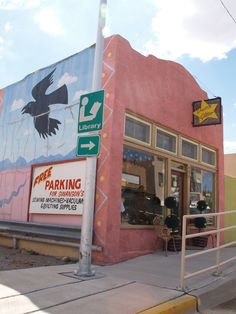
[40, 110]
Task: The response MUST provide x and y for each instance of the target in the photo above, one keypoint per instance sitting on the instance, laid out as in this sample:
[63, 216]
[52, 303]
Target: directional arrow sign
[88, 145]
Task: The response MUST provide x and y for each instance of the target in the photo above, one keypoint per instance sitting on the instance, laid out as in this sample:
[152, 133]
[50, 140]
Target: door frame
[181, 210]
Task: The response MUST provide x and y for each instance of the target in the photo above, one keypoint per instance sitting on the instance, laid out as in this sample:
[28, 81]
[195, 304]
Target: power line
[228, 11]
[204, 85]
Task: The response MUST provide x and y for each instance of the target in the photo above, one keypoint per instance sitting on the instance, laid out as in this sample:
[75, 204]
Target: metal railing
[217, 248]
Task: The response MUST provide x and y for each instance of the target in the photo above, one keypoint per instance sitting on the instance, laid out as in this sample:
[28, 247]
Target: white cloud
[78, 94]
[28, 132]
[197, 28]
[7, 27]
[49, 22]
[16, 4]
[234, 104]
[17, 104]
[33, 3]
[67, 79]
[229, 147]
[10, 4]
[1, 46]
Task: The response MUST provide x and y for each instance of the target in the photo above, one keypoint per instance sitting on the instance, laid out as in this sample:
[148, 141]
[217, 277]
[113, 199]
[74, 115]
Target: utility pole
[84, 269]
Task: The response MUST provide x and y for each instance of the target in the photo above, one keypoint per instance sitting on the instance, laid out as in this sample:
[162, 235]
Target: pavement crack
[82, 297]
[37, 290]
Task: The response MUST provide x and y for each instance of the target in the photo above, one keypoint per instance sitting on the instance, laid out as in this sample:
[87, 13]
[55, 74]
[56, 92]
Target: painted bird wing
[41, 125]
[46, 126]
[40, 88]
[59, 96]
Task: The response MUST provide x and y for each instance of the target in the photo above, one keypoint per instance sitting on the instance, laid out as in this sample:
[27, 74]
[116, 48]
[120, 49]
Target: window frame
[200, 194]
[169, 133]
[191, 142]
[210, 150]
[143, 122]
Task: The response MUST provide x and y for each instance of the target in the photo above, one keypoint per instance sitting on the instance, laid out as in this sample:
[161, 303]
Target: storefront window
[196, 181]
[166, 141]
[208, 156]
[189, 149]
[143, 187]
[137, 129]
[202, 188]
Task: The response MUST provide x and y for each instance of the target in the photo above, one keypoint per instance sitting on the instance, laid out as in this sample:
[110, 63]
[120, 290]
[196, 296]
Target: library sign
[58, 188]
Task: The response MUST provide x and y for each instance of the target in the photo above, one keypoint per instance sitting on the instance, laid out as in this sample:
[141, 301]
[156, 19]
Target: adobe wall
[162, 92]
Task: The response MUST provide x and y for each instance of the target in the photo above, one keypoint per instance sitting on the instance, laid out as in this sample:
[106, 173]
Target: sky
[199, 34]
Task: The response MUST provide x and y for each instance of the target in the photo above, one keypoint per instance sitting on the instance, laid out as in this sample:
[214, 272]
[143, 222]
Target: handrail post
[218, 271]
[217, 265]
[183, 251]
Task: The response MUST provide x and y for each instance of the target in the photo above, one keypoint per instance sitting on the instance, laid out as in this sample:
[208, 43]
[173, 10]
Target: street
[225, 308]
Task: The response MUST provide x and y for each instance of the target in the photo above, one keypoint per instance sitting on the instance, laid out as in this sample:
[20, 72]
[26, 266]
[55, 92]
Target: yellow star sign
[206, 111]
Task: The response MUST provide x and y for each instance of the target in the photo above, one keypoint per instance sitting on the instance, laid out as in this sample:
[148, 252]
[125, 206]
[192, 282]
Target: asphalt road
[225, 308]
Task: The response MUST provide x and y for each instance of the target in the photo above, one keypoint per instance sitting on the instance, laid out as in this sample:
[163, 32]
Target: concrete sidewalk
[147, 284]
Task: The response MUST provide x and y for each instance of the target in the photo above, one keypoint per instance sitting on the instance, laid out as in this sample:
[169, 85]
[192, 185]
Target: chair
[164, 233]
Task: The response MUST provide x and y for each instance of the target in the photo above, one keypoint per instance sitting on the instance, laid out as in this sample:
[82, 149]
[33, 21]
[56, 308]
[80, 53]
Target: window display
[202, 188]
[143, 187]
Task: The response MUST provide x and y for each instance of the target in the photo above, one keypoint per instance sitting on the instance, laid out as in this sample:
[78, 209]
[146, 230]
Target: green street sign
[91, 112]
[88, 145]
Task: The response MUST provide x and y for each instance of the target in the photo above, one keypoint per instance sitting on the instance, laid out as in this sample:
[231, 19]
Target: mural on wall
[39, 109]
[38, 123]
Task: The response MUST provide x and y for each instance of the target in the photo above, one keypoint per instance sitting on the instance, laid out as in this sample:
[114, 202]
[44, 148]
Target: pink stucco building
[149, 147]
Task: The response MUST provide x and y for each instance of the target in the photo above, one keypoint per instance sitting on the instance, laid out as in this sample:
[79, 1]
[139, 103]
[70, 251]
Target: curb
[183, 305]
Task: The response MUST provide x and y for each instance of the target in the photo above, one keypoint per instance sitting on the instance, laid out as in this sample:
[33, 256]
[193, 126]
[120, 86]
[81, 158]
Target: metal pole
[218, 271]
[183, 252]
[88, 212]
[98, 59]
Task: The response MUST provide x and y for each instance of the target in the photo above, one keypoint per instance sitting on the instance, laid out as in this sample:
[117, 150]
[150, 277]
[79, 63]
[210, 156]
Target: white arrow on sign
[90, 145]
